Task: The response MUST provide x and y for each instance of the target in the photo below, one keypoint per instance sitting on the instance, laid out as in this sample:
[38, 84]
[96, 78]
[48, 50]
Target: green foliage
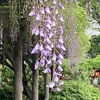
[95, 6]
[83, 39]
[65, 66]
[95, 46]
[90, 63]
[81, 18]
[28, 75]
[76, 90]
[6, 89]
[7, 75]
[86, 68]
[6, 93]
[67, 72]
[92, 7]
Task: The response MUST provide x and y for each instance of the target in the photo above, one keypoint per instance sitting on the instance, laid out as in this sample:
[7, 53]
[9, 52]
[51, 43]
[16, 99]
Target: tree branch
[10, 57]
[11, 67]
[28, 62]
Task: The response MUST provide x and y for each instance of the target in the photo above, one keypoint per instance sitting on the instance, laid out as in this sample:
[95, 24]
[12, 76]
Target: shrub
[76, 90]
[6, 93]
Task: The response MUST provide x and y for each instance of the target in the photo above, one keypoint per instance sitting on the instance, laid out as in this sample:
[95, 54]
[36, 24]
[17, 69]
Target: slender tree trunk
[35, 79]
[18, 88]
[46, 89]
[0, 75]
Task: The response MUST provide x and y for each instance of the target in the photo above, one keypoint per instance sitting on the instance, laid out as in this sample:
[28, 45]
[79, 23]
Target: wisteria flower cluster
[48, 26]
[1, 39]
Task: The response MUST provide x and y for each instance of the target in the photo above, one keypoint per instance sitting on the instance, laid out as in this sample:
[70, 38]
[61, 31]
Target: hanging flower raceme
[48, 26]
[1, 39]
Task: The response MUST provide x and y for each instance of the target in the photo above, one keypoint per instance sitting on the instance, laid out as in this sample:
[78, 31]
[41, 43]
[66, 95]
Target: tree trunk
[18, 88]
[0, 75]
[35, 79]
[46, 89]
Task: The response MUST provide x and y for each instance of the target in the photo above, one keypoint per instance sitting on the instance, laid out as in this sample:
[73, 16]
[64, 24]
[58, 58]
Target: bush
[76, 90]
[6, 93]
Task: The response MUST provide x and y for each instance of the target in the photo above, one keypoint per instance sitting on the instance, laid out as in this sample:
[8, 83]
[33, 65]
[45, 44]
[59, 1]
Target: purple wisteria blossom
[42, 62]
[48, 26]
[40, 1]
[56, 74]
[48, 48]
[51, 34]
[47, 10]
[42, 11]
[54, 57]
[58, 46]
[1, 42]
[60, 5]
[60, 84]
[47, 40]
[35, 31]
[45, 53]
[41, 33]
[60, 40]
[62, 48]
[56, 79]
[32, 13]
[47, 70]
[48, 20]
[52, 45]
[56, 12]
[58, 89]
[52, 7]
[51, 85]
[53, 24]
[38, 17]
[54, 2]
[41, 47]
[59, 62]
[61, 18]
[60, 56]
[36, 65]
[60, 30]
[59, 68]
[44, 35]
[35, 49]
[49, 62]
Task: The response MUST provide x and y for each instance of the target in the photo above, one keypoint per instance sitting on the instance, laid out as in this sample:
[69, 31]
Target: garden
[46, 52]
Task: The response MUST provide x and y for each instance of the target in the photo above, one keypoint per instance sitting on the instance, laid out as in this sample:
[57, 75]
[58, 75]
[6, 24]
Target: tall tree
[18, 87]
[12, 42]
[35, 75]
